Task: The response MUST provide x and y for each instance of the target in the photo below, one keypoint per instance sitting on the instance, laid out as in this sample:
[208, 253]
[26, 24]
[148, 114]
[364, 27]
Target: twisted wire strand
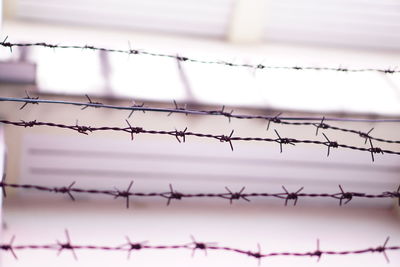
[343, 196]
[193, 245]
[181, 136]
[130, 51]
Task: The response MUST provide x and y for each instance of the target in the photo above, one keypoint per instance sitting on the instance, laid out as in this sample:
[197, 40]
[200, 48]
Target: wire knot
[9, 247]
[348, 196]
[199, 245]
[136, 246]
[124, 194]
[28, 123]
[274, 119]
[283, 141]
[374, 150]
[225, 138]
[178, 108]
[66, 246]
[89, 47]
[7, 44]
[172, 194]
[317, 253]
[382, 249]
[134, 130]
[342, 69]
[224, 113]
[182, 58]
[82, 129]
[236, 195]
[291, 195]
[258, 255]
[133, 246]
[321, 125]
[65, 190]
[389, 71]
[136, 106]
[29, 102]
[330, 144]
[180, 134]
[92, 103]
[365, 135]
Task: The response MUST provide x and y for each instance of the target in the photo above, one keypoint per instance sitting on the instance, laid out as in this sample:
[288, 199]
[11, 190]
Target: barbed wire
[181, 135]
[343, 196]
[277, 119]
[130, 51]
[193, 245]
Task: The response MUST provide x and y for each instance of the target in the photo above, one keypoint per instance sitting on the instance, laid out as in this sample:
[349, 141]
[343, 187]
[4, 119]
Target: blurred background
[330, 33]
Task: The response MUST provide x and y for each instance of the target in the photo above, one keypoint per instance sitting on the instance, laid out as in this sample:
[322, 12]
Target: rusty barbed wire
[277, 119]
[222, 138]
[344, 197]
[193, 245]
[179, 58]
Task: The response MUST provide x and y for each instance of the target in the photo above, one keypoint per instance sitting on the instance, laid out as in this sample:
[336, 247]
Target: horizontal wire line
[193, 245]
[188, 111]
[187, 59]
[274, 119]
[342, 196]
[183, 134]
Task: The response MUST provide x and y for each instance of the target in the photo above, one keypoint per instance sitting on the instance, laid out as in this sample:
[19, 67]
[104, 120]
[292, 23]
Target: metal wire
[181, 136]
[194, 60]
[177, 109]
[343, 197]
[193, 245]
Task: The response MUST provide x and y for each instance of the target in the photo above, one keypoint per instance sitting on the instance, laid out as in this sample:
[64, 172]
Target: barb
[318, 252]
[382, 249]
[330, 144]
[258, 255]
[222, 112]
[133, 246]
[124, 194]
[130, 51]
[222, 138]
[230, 195]
[183, 110]
[271, 119]
[321, 125]
[9, 247]
[345, 195]
[200, 245]
[374, 150]
[172, 194]
[180, 134]
[65, 190]
[136, 106]
[285, 141]
[293, 195]
[366, 135]
[226, 138]
[236, 195]
[66, 246]
[28, 102]
[274, 119]
[97, 104]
